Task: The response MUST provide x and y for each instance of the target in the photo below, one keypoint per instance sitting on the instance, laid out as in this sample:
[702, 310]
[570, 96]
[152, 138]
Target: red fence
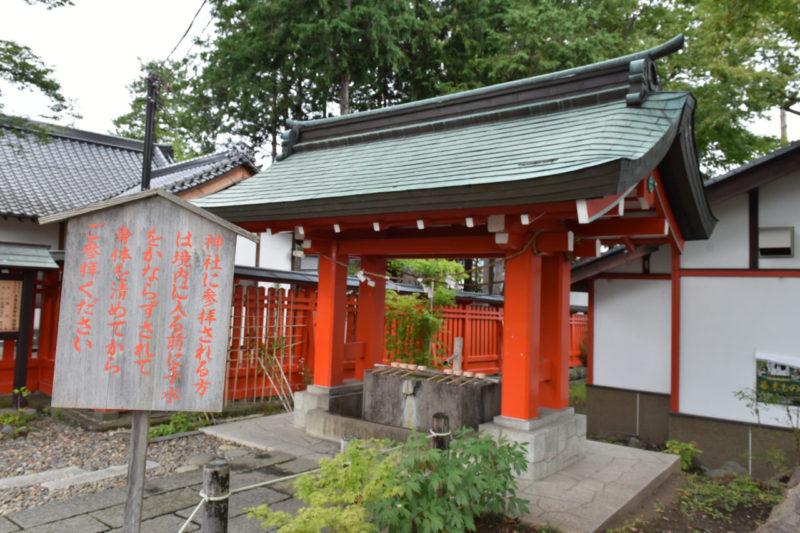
[272, 341]
[578, 333]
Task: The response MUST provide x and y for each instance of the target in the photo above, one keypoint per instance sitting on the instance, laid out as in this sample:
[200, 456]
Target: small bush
[180, 422]
[410, 487]
[719, 499]
[686, 450]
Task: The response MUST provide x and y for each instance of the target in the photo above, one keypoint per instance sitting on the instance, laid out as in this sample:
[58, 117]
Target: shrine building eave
[577, 135]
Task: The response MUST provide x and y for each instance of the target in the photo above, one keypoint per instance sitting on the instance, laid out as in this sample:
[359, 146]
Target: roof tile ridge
[605, 96]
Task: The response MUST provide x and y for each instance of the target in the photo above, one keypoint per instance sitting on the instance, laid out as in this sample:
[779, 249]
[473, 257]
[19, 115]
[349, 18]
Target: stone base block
[553, 441]
[343, 400]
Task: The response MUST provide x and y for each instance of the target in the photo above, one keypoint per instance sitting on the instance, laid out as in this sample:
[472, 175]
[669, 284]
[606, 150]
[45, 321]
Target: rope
[531, 243]
[432, 434]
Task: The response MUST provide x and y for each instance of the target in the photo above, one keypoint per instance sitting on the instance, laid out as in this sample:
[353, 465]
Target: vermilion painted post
[329, 331]
[370, 328]
[554, 393]
[521, 328]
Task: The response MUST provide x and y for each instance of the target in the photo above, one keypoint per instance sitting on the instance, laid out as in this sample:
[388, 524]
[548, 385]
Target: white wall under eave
[632, 331]
[276, 251]
[724, 321]
[778, 207]
[728, 246]
[16, 231]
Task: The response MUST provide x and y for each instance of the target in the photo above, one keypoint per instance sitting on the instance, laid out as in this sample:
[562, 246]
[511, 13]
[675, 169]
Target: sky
[95, 49]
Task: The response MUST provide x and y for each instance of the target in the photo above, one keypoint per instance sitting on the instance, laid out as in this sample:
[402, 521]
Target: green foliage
[719, 499]
[577, 393]
[414, 327]
[17, 419]
[411, 487]
[275, 60]
[22, 391]
[338, 495]
[180, 422]
[179, 122]
[686, 450]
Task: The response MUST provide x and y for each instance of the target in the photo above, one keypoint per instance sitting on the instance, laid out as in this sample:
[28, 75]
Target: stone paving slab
[65, 509]
[92, 476]
[82, 524]
[7, 526]
[152, 507]
[586, 496]
[40, 477]
[188, 479]
[163, 524]
[259, 460]
[274, 432]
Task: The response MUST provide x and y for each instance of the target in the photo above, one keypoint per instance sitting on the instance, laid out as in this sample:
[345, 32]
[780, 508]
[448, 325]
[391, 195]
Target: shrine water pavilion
[539, 172]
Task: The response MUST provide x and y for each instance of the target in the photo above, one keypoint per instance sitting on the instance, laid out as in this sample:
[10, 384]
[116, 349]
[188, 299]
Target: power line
[187, 30]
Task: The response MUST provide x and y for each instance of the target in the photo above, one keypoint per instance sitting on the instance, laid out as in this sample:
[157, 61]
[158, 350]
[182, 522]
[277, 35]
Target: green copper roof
[498, 151]
[27, 257]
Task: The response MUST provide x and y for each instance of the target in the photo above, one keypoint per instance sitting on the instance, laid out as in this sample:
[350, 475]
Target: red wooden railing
[578, 333]
[272, 331]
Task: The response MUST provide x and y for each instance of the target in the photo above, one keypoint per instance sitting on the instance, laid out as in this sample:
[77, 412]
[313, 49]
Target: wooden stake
[140, 426]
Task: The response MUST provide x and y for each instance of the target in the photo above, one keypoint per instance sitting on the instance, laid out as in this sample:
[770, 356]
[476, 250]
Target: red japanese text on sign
[149, 296]
[88, 269]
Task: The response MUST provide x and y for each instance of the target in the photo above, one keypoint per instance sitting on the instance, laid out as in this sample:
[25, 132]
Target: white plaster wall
[724, 321]
[28, 232]
[779, 206]
[631, 348]
[245, 252]
[276, 251]
[728, 246]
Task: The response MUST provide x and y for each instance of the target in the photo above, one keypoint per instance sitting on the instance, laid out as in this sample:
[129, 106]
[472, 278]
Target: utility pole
[149, 130]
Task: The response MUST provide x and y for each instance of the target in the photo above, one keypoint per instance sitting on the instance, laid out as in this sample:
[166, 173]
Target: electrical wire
[202, 5]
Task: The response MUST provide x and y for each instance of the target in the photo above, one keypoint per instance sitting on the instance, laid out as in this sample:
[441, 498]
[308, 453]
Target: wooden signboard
[145, 307]
[10, 304]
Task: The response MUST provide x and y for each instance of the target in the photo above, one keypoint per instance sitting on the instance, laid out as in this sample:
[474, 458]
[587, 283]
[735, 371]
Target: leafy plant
[686, 450]
[719, 499]
[405, 488]
[16, 419]
[755, 401]
[22, 391]
[180, 422]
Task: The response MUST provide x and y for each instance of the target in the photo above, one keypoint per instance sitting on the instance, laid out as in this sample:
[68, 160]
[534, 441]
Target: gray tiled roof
[70, 168]
[181, 176]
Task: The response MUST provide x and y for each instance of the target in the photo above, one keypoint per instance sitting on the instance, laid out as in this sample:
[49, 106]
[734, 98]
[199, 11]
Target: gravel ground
[53, 444]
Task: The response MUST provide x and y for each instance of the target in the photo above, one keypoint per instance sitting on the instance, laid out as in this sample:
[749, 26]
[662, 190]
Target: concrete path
[582, 498]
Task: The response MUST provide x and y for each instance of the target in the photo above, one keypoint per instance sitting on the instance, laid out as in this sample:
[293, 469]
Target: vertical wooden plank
[23, 347]
[140, 426]
[371, 316]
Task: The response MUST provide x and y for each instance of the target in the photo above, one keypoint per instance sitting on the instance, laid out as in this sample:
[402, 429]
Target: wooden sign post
[145, 308]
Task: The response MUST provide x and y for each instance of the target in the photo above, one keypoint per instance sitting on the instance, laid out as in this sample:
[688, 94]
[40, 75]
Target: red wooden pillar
[371, 313]
[521, 328]
[554, 353]
[329, 331]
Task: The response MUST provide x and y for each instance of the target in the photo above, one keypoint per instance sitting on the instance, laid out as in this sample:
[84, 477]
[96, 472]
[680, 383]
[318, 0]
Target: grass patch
[577, 393]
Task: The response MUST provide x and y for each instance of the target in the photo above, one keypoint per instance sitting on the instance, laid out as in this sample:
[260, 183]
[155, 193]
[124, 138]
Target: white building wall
[728, 246]
[631, 346]
[724, 321]
[275, 251]
[29, 232]
[779, 206]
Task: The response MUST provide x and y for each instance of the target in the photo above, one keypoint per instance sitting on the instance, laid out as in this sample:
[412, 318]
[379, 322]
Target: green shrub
[718, 499]
[17, 419]
[180, 422]
[686, 450]
[411, 487]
